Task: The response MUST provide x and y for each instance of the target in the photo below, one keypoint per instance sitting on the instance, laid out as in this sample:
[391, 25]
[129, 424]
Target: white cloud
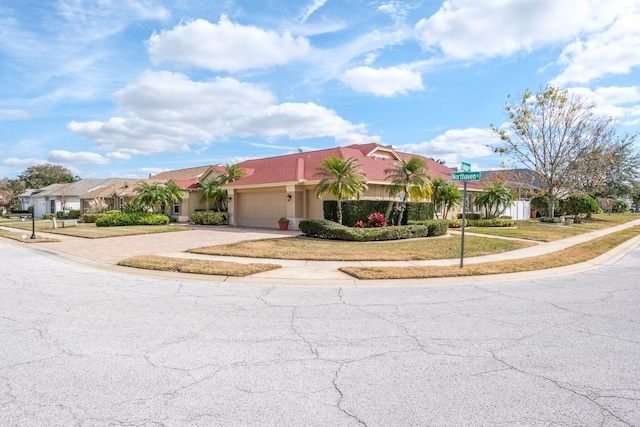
[310, 9]
[152, 171]
[63, 156]
[621, 103]
[613, 50]
[456, 145]
[470, 29]
[166, 112]
[383, 81]
[119, 156]
[23, 162]
[14, 114]
[225, 46]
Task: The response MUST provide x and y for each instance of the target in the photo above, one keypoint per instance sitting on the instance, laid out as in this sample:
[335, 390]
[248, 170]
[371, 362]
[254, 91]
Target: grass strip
[27, 239]
[196, 266]
[332, 250]
[90, 231]
[573, 255]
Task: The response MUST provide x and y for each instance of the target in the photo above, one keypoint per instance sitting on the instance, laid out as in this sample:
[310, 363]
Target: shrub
[493, 222]
[118, 219]
[359, 224]
[550, 219]
[620, 206]
[90, 218]
[325, 229]
[540, 204]
[376, 220]
[48, 216]
[358, 210]
[210, 218]
[74, 213]
[470, 215]
[580, 205]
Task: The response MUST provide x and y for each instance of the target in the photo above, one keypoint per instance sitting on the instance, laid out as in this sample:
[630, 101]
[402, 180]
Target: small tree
[494, 199]
[580, 205]
[410, 178]
[445, 196]
[341, 178]
[210, 191]
[551, 132]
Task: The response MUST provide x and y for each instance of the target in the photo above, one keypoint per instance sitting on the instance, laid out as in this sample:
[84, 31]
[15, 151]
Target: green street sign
[465, 176]
[465, 167]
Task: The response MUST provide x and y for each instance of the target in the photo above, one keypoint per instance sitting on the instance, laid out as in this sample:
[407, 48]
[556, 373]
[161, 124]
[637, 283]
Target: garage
[260, 209]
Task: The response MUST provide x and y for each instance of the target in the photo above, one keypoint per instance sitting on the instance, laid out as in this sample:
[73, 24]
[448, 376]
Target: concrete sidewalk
[106, 253]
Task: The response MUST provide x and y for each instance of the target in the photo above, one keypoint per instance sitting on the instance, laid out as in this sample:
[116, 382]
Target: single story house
[284, 186]
[58, 197]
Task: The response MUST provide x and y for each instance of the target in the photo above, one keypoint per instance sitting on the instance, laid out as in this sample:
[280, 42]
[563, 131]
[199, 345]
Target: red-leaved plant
[359, 224]
[376, 220]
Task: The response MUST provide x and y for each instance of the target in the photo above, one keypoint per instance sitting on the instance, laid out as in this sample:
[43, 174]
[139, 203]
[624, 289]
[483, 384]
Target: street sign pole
[464, 217]
[464, 175]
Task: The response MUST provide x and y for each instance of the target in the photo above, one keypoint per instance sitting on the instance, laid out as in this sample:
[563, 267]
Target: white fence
[520, 209]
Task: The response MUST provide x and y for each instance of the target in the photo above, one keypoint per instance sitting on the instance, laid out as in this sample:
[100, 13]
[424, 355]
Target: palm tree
[231, 173]
[150, 195]
[210, 191]
[409, 177]
[495, 199]
[171, 194]
[445, 195]
[157, 196]
[341, 178]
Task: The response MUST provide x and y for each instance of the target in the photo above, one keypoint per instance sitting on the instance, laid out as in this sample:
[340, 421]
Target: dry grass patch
[90, 231]
[547, 232]
[196, 266]
[576, 254]
[26, 238]
[332, 250]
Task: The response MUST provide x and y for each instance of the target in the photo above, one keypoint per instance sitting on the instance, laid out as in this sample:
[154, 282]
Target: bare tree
[550, 132]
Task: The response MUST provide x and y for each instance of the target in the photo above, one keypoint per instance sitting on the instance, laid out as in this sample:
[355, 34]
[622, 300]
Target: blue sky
[126, 88]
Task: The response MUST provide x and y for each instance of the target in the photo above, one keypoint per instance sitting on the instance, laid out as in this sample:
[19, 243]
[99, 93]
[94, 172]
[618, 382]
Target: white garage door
[260, 209]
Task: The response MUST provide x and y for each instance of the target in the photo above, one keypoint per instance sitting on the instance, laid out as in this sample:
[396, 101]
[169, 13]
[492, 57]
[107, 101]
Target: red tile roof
[293, 168]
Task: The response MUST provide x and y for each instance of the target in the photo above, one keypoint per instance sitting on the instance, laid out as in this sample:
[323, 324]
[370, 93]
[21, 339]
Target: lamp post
[33, 225]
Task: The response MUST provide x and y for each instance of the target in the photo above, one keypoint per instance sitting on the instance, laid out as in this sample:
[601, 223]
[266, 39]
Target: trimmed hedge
[210, 218]
[90, 218]
[325, 229]
[470, 216]
[72, 214]
[118, 219]
[358, 210]
[494, 222]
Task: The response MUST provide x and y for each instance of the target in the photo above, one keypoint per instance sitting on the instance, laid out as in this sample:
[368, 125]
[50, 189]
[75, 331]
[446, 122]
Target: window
[176, 209]
[121, 203]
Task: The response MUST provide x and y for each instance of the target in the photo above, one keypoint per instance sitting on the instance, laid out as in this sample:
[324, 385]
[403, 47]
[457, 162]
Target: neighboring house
[284, 186]
[113, 192]
[189, 182]
[59, 197]
[25, 198]
[523, 182]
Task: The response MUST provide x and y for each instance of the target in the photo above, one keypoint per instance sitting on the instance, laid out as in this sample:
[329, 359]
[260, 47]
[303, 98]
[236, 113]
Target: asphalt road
[89, 347]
